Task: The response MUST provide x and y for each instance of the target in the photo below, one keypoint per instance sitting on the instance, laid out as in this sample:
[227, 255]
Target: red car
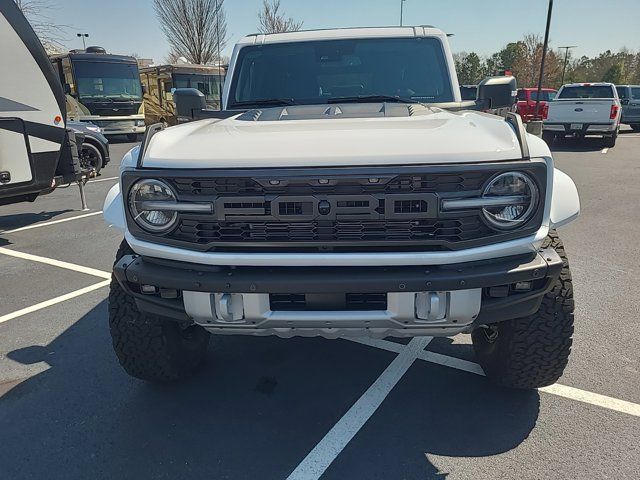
[527, 102]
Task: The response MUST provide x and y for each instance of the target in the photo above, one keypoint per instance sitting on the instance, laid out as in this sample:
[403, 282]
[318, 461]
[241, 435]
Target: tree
[469, 68]
[613, 74]
[51, 34]
[195, 29]
[272, 21]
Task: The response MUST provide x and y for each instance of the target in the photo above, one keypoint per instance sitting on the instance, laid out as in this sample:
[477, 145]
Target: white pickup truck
[582, 109]
[349, 192]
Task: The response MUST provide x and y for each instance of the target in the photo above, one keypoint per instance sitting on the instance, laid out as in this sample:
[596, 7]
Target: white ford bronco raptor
[345, 190]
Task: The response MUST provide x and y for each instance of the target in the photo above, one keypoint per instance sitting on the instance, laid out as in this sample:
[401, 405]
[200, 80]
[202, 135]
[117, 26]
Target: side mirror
[497, 92]
[67, 89]
[188, 102]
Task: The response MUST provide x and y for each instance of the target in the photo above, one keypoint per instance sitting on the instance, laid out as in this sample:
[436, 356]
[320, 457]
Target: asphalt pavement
[269, 408]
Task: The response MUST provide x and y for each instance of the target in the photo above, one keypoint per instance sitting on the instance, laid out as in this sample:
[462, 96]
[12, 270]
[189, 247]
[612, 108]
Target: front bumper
[420, 300]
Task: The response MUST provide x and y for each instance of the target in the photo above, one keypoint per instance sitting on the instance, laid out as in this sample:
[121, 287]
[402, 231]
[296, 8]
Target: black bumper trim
[543, 267]
[463, 276]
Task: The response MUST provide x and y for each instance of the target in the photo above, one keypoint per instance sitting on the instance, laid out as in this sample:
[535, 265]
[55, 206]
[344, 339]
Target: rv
[37, 151]
[103, 89]
[161, 81]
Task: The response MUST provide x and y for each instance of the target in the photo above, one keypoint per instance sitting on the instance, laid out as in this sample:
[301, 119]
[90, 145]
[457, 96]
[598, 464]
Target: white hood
[433, 138]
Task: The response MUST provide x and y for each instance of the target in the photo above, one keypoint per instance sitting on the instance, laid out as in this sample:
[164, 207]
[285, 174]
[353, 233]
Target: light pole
[83, 36]
[401, 10]
[537, 115]
[566, 58]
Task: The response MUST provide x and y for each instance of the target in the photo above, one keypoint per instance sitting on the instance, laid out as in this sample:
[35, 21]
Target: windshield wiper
[272, 102]
[371, 99]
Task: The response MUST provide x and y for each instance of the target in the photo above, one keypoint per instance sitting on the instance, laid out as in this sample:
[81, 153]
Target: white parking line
[56, 263]
[591, 398]
[604, 150]
[53, 301]
[325, 452]
[53, 222]
[103, 180]
[584, 396]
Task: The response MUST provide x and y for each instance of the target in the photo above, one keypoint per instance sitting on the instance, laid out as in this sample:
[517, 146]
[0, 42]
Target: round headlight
[145, 203]
[510, 199]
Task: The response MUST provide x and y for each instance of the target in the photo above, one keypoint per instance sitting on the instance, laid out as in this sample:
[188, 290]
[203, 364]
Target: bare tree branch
[195, 29]
[272, 21]
[51, 34]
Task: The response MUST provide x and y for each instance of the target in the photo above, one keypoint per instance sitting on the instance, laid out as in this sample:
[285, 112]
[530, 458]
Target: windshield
[207, 84]
[544, 96]
[587, 91]
[323, 71]
[107, 80]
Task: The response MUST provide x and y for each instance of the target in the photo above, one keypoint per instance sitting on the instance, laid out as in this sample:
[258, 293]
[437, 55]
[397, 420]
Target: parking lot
[270, 408]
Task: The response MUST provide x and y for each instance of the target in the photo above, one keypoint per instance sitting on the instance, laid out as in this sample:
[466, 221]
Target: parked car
[527, 98]
[333, 202]
[94, 152]
[630, 101]
[582, 109]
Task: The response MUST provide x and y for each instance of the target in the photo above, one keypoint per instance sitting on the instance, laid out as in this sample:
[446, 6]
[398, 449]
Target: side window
[622, 92]
[635, 93]
[66, 72]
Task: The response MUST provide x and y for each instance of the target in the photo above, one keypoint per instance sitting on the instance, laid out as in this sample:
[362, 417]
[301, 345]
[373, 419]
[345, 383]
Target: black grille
[446, 231]
[436, 183]
[298, 302]
[372, 209]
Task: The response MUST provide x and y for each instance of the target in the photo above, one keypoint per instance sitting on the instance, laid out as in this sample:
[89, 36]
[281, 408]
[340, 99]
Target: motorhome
[161, 81]
[103, 89]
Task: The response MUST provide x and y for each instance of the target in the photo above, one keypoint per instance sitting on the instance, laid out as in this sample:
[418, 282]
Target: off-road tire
[533, 351]
[150, 347]
[548, 137]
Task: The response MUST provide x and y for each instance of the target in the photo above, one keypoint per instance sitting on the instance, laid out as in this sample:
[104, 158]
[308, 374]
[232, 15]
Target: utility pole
[83, 36]
[537, 115]
[402, 11]
[566, 59]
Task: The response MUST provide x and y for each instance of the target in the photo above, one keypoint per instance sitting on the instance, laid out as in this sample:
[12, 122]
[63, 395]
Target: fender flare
[113, 210]
[565, 201]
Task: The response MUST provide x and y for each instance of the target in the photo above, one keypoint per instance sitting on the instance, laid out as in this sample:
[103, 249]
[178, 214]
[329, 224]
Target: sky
[483, 26]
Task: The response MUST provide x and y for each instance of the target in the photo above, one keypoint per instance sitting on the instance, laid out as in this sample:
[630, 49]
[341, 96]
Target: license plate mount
[576, 126]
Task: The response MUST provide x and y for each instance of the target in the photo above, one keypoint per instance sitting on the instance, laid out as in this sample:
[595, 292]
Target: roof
[185, 67]
[596, 84]
[341, 34]
[105, 57]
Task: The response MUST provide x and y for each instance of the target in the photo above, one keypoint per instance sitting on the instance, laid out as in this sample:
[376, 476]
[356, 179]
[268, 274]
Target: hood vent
[323, 111]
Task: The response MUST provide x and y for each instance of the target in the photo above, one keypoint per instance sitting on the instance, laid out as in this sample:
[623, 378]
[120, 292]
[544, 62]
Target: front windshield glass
[207, 84]
[319, 72]
[107, 80]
